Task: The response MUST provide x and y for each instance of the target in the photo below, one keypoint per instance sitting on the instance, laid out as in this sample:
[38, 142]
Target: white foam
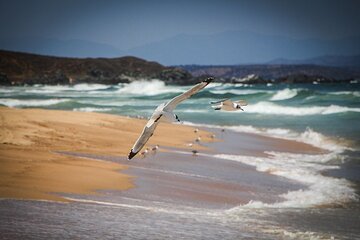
[153, 207]
[149, 88]
[275, 109]
[76, 87]
[286, 93]
[91, 109]
[7, 90]
[193, 110]
[238, 91]
[30, 103]
[302, 168]
[354, 93]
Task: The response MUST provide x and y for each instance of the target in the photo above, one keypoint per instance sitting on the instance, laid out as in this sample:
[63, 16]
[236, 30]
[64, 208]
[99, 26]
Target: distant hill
[224, 48]
[334, 61]
[24, 68]
[272, 71]
[241, 47]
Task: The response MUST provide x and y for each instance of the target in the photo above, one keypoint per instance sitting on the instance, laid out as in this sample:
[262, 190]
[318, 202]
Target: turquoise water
[332, 110]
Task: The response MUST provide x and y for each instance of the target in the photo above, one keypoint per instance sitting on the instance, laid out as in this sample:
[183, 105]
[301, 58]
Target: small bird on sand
[164, 111]
[228, 105]
[195, 152]
[189, 144]
[212, 136]
[145, 152]
[196, 130]
[155, 148]
[198, 139]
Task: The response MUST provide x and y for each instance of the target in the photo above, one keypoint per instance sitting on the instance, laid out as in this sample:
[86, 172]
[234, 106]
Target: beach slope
[31, 168]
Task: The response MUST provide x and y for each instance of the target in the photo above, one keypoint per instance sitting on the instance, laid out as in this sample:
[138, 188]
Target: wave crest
[302, 168]
[275, 109]
[286, 93]
[148, 88]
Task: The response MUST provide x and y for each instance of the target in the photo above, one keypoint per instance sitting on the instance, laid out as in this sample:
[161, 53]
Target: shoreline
[31, 169]
[47, 153]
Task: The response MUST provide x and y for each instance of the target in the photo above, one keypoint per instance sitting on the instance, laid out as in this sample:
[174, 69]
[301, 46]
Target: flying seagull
[228, 105]
[164, 110]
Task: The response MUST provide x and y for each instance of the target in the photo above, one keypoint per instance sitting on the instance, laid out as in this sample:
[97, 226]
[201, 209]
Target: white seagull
[164, 110]
[228, 105]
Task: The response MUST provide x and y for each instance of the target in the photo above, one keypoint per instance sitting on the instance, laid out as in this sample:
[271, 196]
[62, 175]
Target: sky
[129, 24]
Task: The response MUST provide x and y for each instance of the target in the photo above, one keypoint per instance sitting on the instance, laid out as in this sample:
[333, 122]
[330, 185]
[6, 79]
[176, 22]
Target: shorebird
[195, 152]
[198, 139]
[228, 105]
[155, 148]
[196, 130]
[145, 152]
[165, 111]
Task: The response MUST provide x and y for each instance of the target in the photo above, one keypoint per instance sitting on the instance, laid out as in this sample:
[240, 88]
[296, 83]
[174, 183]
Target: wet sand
[50, 154]
[178, 177]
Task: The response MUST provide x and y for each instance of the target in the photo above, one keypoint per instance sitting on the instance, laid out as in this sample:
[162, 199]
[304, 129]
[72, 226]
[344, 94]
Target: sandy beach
[34, 166]
[79, 158]
[31, 168]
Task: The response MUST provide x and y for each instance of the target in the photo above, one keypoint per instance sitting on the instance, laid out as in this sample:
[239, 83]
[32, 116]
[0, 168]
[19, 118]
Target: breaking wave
[30, 103]
[284, 94]
[302, 168]
[275, 109]
[148, 88]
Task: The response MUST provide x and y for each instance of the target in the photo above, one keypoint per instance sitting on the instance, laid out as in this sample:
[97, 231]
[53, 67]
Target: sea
[323, 115]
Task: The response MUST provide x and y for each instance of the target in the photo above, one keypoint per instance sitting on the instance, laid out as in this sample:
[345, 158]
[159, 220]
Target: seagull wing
[144, 136]
[241, 102]
[219, 101]
[176, 100]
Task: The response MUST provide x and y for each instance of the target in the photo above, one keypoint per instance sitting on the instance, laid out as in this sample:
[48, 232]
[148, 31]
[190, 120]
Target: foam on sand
[302, 168]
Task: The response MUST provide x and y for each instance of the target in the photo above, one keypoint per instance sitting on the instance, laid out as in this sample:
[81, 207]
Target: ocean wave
[309, 136]
[353, 93]
[302, 168]
[30, 103]
[238, 91]
[60, 88]
[149, 88]
[7, 90]
[275, 109]
[286, 93]
[193, 110]
[92, 109]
